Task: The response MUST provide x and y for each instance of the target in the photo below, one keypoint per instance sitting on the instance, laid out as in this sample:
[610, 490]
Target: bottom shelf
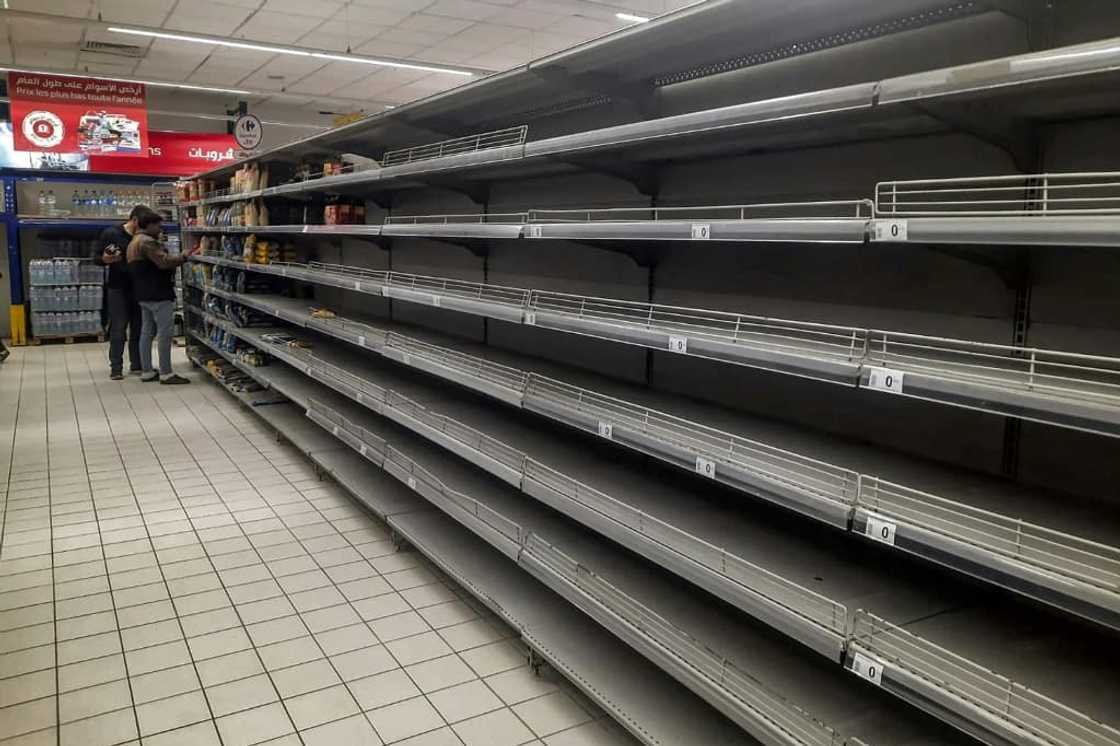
[649, 704]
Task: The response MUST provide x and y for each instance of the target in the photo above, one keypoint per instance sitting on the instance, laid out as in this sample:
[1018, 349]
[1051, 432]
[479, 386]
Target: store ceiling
[483, 35]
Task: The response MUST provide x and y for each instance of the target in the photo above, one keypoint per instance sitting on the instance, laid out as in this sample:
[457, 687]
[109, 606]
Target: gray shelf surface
[1083, 230]
[946, 515]
[1069, 390]
[822, 688]
[774, 548]
[654, 707]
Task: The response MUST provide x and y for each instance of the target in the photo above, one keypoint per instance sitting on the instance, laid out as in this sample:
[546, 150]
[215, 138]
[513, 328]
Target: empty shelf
[754, 568]
[812, 116]
[1008, 536]
[1059, 388]
[655, 708]
[269, 230]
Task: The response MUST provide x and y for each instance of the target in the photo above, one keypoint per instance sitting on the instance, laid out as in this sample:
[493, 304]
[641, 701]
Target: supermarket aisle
[169, 574]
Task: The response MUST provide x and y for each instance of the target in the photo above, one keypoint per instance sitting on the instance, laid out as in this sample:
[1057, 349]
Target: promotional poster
[63, 114]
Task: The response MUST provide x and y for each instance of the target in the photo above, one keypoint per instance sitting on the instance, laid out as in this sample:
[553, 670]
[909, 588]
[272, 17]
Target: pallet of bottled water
[47, 325]
[66, 297]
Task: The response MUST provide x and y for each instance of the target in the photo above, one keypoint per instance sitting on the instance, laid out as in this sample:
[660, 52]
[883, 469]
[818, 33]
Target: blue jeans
[158, 318]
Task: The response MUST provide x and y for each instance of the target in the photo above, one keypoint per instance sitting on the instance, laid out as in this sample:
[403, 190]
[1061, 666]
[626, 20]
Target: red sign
[63, 114]
[174, 154]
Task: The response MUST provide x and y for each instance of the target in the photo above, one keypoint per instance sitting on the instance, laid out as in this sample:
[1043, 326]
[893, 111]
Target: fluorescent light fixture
[620, 16]
[291, 51]
[198, 40]
[384, 63]
[154, 83]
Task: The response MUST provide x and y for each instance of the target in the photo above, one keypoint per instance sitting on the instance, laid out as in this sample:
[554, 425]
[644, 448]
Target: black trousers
[124, 323]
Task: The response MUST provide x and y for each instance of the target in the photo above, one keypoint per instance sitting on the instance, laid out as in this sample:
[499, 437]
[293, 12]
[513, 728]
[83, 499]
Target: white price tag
[307, 369]
[606, 430]
[885, 379]
[357, 285]
[701, 231]
[889, 230]
[678, 344]
[361, 341]
[530, 318]
[362, 449]
[534, 231]
[435, 301]
[705, 467]
[879, 529]
[334, 431]
[412, 483]
[868, 667]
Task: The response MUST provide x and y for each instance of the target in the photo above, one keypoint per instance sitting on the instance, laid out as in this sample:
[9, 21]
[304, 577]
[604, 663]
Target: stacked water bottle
[66, 297]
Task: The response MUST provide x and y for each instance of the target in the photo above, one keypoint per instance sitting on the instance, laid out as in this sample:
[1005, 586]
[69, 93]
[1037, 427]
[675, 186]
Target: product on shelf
[344, 213]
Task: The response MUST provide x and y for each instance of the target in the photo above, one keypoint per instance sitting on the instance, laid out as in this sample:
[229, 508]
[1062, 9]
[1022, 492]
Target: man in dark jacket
[124, 313]
[151, 271]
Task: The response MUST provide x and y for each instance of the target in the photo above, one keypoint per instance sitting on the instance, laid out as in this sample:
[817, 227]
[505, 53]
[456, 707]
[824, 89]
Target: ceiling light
[372, 61]
[197, 40]
[620, 16]
[293, 51]
[154, 83]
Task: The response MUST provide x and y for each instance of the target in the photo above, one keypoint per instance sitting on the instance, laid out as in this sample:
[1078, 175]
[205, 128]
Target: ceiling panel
[72, 8]
[530, 19]
[147, 13]
[434, 24]
[377, 16]
[388, 47]
[281, 28]
[410, 36]
[400, 6]
[207, 17]
[162, 69]
[317, 8]
[468, 9]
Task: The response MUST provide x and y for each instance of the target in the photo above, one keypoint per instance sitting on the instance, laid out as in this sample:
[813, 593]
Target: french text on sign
[889, 230]
[885, 379]
[705, 467]
[880, 529]
[868, 667]
[678, 344]
[701, 231]
[606, 430]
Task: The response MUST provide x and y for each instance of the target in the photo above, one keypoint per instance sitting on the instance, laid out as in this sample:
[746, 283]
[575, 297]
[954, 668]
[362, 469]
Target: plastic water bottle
[42, 202]
[51, 202]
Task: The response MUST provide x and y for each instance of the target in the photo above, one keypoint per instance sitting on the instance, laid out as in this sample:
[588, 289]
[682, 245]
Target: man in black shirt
[124, 311]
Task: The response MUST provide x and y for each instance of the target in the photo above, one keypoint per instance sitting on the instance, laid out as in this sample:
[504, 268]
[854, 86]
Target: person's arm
[157, 255]
[101, 256]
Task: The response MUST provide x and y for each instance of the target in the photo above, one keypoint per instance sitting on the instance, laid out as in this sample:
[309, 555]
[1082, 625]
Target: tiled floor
[170, 574]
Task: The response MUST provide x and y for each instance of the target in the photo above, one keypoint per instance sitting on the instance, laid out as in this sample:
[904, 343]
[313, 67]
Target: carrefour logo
[43, 129]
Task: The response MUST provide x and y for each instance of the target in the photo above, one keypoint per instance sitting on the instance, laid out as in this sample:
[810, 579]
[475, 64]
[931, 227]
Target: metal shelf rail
[915, 669]
[1060, 388]
[510, 136]
[828, 221]
[1067, 571]
[1058, 209]
[940, 690]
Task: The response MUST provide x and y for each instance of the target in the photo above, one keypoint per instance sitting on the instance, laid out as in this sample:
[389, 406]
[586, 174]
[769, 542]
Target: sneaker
[174, 380]
[116, 376]
[136, 372]
[149, 377]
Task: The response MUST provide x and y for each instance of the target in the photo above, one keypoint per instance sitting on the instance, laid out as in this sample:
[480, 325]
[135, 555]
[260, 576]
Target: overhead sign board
[65, 114]
[248, 131]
